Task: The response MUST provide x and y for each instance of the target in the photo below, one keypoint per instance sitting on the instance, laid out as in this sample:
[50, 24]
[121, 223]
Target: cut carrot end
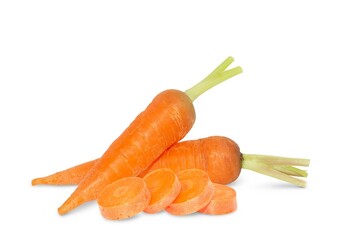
[196, 192]
[223, 201]
[164, 187]
[124, 198]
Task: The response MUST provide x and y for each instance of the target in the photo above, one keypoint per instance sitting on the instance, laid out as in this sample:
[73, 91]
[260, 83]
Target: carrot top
[281, 168]
[216, 77]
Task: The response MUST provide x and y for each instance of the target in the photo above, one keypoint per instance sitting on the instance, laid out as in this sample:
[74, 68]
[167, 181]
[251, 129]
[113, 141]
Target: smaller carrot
[70, 176]
[164, 187]
[196, 192]
[224, 200]
[124, 198]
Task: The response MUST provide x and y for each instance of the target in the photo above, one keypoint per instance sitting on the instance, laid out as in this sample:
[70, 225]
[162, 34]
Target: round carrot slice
[196, 192]
[164, 187]
[224, 200]
[124, 198]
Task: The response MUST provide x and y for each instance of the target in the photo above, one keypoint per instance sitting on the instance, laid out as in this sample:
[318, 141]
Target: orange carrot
[221, 158]
[196, 192]
[69, 176]
[164, 187]
[166, 120]
[223, 201]
[124, 198]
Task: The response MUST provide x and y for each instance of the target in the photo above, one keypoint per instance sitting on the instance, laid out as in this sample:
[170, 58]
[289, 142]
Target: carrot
[221, 158]
[164, 187]
[196, 192]
[69, 176]
[124, 198]
[223, 201]
[166, 120]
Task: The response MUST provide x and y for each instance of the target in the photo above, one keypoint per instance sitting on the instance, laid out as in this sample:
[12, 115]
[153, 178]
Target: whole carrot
[219, 156]
[166, 120]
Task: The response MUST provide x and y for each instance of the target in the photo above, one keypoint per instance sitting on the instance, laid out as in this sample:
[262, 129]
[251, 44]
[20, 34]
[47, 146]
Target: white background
[74, 74]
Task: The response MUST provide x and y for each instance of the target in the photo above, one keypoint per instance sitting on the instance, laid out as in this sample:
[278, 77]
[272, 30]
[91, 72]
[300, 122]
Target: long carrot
[217, 155]
[196, 192]
[223, 201]
[164, 187]
[166, 120]
[124, 198]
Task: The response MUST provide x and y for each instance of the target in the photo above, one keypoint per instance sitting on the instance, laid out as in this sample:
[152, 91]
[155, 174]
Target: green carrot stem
[276, 160]
[216, 77]
[290, 170]
[277, 167]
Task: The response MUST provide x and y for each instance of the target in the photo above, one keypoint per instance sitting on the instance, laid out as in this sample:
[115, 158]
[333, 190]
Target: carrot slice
[124, 198]
[164, 187]
[224, 200]
[196, 192]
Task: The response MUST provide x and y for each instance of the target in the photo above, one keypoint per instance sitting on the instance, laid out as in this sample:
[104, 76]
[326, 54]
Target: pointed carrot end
[61, 211]
[71, 203]
[66, 207]
[37, 181]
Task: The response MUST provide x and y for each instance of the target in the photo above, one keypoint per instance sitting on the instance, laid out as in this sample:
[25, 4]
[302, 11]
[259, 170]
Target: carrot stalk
[214, 78]
[277, 160]
[290, 170]
[266, 165]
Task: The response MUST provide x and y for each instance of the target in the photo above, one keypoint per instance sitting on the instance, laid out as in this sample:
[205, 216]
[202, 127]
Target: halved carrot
[196, 192]
[124, 198]
[223, 201]
[164, 187]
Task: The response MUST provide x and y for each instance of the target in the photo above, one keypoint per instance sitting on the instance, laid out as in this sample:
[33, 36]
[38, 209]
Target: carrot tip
[36, 181]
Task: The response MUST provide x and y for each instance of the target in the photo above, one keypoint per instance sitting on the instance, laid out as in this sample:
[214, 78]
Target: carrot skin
[219, 156]
[166, 120]
[70, 176]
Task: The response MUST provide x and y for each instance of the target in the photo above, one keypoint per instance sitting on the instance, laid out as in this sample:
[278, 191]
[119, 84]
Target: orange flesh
[196, 192]
[164, 187]
[224, 200]
[124, 198]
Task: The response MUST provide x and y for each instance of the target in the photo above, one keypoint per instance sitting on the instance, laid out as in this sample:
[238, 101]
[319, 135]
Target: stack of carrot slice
[179, 194]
